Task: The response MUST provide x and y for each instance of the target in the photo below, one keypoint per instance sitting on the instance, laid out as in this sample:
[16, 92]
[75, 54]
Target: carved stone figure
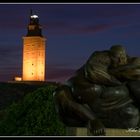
[104, 93]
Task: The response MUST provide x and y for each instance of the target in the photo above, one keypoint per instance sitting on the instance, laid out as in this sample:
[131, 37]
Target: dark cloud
[70, 29]
[10, 62]
[89, 11]
[65, 28]
[10, 53]
[114, 10]
[132, 34]
[95, 28]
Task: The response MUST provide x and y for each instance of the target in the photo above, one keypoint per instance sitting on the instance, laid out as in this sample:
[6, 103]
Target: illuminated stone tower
[34, 52]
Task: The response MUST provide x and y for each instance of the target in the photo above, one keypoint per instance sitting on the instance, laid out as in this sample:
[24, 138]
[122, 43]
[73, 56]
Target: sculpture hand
[96, 128]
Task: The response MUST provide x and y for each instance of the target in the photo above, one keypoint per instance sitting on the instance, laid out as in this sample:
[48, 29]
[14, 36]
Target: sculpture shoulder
[134, 60]
[99, 57]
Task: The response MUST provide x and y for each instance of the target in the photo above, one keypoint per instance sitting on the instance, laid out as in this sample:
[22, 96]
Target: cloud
[131, 34]
[95, 28]
[10, 54]
[89, 11]
[63, 28]
[10, 62]
[114, 11]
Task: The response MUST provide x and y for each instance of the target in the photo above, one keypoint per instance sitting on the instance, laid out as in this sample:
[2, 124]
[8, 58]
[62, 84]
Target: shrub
[35, 115]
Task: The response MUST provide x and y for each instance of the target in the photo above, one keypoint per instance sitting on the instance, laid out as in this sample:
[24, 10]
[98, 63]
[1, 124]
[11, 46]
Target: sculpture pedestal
[82, 131]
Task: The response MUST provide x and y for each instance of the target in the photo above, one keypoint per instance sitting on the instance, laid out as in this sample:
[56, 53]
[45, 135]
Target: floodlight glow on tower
[34, 52]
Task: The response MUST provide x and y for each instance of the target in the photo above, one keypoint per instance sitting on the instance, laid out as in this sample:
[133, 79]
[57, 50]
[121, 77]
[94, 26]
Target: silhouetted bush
[14, 92]
[35, 115]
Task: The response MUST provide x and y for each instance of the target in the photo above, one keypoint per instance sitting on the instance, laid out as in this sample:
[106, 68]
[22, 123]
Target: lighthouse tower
[34, 52]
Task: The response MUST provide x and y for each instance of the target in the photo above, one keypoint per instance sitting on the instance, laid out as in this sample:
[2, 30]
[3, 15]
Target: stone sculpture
[103, 93]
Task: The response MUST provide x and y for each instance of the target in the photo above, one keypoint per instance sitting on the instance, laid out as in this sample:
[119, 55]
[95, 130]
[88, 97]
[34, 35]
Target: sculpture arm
[66, 106]
[64, 101]
[129, 71]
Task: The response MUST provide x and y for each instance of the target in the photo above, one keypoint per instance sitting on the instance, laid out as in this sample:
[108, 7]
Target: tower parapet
[34, 28]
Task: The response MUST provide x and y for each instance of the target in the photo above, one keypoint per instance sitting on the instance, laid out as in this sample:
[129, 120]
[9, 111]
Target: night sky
[73, 32]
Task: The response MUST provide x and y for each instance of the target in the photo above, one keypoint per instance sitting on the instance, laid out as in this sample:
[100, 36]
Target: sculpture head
[118, 55]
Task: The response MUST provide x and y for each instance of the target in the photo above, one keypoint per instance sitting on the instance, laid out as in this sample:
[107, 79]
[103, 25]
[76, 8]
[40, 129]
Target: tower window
[32, 64]
[32, 73]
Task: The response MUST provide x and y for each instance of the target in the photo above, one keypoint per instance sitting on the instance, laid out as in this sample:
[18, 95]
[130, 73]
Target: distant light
[18, 78]
[34, 16]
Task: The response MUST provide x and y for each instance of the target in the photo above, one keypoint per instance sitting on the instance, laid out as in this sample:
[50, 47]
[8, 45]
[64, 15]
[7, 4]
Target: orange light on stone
[18, 78]
[34, 58]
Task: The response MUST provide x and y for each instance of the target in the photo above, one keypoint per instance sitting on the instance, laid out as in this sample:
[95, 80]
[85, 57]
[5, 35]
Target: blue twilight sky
[73, 32]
